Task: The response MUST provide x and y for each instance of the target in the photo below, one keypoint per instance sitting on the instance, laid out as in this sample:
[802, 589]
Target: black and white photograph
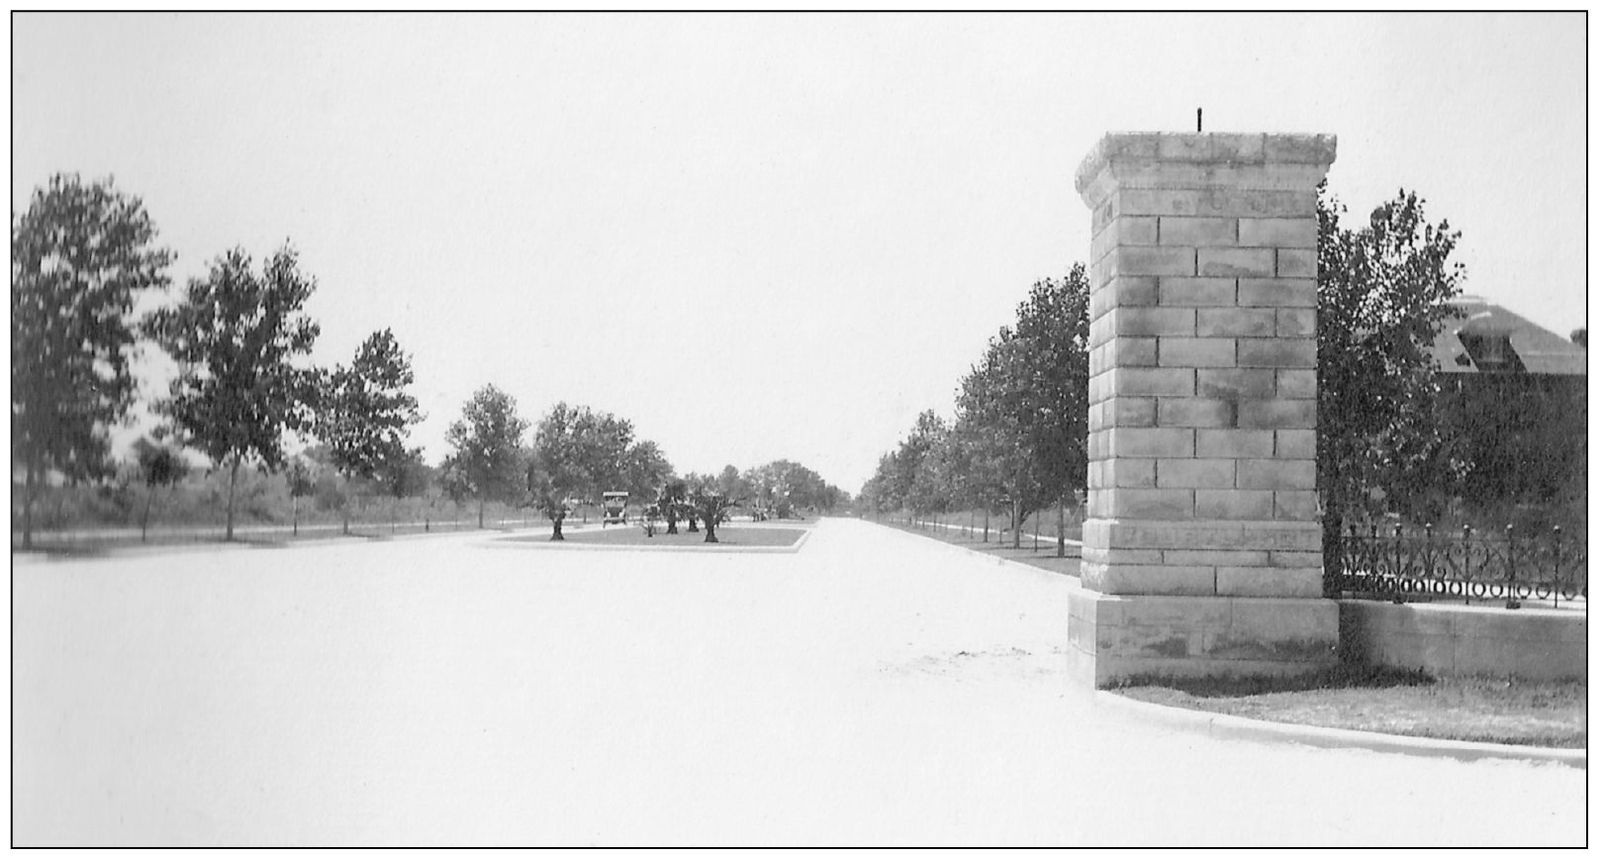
[798, 429]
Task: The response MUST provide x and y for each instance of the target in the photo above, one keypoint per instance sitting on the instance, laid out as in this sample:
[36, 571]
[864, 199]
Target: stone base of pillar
[1115, 637]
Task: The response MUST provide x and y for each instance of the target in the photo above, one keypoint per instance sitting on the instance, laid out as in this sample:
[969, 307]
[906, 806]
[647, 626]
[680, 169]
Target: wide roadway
[874, 688]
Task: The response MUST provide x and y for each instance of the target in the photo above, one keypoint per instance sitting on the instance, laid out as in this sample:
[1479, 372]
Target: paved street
[874, 688]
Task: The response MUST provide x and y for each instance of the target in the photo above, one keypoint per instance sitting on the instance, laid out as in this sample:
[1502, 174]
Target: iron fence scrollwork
[1422, 564]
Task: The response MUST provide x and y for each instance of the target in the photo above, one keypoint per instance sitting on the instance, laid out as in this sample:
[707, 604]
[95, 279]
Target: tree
[711, 505]
[366, 412]
[671, 502]
[1384, 292]
[578, 453]
[1578, 336]
[1022, 411]
[80, 256]
[233, 336]
[485, 446]
[160, 466]
[645, 470]
[302, 481]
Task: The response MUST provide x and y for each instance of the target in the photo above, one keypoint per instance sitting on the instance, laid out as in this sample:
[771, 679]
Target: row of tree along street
[83, 256]
[1386, 444]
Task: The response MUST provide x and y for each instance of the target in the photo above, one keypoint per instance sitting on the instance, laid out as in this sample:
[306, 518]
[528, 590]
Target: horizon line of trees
[84, 254]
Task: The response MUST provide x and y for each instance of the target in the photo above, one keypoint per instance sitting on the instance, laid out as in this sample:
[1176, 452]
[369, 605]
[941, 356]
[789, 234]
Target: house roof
[1539, 350]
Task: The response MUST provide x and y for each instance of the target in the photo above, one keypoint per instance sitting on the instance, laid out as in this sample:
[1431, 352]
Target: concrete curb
[506, 543]
[1248, 729]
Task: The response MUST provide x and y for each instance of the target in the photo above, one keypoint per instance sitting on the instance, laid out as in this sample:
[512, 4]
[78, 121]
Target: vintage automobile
[614, 506]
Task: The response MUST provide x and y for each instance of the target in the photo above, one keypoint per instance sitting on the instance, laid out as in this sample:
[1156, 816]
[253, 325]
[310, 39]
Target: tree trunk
[29, 488]
[294, 515]
[556, 528]
[481, 513]
[673, 524]
[144, 520]
[987, 525]
[711, 526]
[1060, 528]
[1018, 524]
[690, 521]
[233, 478]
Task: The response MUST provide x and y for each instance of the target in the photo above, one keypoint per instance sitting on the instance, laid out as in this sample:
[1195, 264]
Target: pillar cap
[1171, 160]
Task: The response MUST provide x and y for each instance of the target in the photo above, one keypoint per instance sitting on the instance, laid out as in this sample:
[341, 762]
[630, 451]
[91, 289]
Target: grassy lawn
[738, 535]
[1504, 711]
[1043, 556]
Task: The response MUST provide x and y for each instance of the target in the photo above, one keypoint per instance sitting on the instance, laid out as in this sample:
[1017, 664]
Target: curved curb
[1248, 729]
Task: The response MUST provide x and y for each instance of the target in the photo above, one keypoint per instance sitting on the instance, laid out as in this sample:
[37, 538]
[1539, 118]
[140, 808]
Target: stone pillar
[1202, 545]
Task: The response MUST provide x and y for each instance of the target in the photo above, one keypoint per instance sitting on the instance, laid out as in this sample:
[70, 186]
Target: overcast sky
[760, 237]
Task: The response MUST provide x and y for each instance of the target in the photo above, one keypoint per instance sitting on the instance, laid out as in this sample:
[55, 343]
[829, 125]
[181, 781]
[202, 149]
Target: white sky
[761, 237]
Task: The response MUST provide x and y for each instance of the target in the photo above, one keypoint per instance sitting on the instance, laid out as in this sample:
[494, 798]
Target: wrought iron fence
[1423, 564]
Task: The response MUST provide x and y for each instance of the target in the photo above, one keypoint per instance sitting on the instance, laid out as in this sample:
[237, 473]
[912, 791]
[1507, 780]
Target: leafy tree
[645, 470]
[671, 502]
[1384, 292]
[1022, 410]
[80, 256]
[160, 466]
[366, 413]
[233, 336]
[485, 448]
[1578, 336]
[579, 453]
[711, 505]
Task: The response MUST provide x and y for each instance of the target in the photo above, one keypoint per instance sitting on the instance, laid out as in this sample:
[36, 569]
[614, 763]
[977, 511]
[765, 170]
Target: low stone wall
[1454, 639]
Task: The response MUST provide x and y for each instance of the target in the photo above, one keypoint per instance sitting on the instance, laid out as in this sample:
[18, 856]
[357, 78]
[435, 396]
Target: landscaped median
[1406, 710]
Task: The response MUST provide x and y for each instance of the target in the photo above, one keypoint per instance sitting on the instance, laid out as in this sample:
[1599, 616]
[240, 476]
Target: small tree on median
[160, 466]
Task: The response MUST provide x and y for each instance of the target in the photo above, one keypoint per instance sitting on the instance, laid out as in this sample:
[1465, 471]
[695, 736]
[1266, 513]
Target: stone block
[1295, 322]
[1235, 505]
[1135, 411]
[1135, 381]
[1296, 383]
[1152, 504]
[1277, 414]
[1154, 261]
[1295, 443]
[1235, 443]
[1196, 413]
[1296, 559]
[1279, 231]
[1197, 291]
[1260, 534]
[1155, 580]
[1154, 321]
[1275, 474]
[1152, 443]
[1291, 262]
[1196, 473]
[1236, 383]
[1121, 556]
[1260, 582]
[1135, 351]
[1278, 353]
[1134, 472]
[1277, 292]
[1197, 231]
[1258, 559]
[1300, 149]
[1101, 330]
[1296, 505]
[1213, 202]
[1236, 321]
[1235, 262]
[1123, 292]
[1194, 352]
